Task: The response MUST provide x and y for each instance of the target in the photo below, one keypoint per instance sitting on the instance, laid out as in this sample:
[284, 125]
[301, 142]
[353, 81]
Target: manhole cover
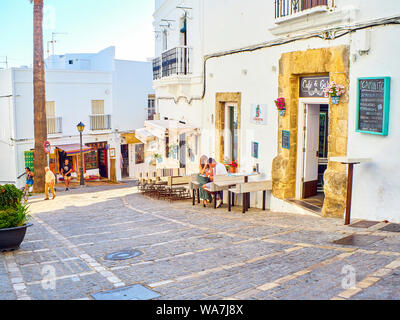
[123, 255]
[364, 224]
[358, 240]
[135, 292]
[393, 227]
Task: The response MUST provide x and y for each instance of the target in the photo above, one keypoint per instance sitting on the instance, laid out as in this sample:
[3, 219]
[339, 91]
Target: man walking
[50, 181]
[66, 171]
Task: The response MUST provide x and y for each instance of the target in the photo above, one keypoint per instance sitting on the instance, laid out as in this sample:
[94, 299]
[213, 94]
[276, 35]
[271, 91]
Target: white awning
[160, 127]
[144, 135]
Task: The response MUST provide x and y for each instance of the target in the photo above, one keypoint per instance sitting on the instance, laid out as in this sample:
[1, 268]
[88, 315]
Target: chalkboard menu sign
[285, 139]
[313, 87]
[373, 105]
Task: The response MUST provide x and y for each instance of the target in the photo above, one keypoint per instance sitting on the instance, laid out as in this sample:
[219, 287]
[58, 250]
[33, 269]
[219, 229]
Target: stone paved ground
[192, 252]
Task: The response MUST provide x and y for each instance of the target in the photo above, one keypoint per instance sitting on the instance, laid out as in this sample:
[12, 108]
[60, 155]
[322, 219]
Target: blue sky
[91, 25]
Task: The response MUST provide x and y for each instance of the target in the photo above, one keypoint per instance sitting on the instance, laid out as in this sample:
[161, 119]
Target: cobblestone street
[193, 252]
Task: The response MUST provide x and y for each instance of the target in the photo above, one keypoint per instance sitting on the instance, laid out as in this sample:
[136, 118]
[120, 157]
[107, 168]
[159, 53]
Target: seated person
[216, 169]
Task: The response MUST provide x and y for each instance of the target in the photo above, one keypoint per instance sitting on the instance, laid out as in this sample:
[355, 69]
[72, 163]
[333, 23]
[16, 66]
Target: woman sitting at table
[216, 169]
[203, 178]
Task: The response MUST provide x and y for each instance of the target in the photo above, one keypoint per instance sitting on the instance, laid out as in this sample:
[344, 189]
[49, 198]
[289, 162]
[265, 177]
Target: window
[165, 40]
[151, 107]
[51, 118]
[71, 61]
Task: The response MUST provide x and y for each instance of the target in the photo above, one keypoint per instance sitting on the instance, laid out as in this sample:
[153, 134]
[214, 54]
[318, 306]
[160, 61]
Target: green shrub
[12, 213]
[14, 217]
[10, 196]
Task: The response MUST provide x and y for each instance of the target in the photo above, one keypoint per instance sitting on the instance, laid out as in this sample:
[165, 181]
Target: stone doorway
[222, 103]
[294, 65]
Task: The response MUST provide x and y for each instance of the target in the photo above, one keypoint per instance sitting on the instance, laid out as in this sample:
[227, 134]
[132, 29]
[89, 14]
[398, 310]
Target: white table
[350, 162]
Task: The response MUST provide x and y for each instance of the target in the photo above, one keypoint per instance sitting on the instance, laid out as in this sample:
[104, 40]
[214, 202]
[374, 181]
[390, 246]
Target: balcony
[54, 125]
[287, 8]
[301, 15]
[176, 61]
[100, 122]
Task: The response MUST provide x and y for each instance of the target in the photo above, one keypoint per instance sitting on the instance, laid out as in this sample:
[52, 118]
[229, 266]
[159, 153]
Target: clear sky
[91, 25]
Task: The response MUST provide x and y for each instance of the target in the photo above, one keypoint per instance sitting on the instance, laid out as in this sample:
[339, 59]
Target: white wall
[132, 83]
[7, 122]
[377, 184]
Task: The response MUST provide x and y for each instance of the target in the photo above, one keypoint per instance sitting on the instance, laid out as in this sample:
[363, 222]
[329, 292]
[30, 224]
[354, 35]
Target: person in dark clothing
[66, 172]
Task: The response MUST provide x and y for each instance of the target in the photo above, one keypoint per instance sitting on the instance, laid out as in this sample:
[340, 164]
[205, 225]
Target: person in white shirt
[217, 169]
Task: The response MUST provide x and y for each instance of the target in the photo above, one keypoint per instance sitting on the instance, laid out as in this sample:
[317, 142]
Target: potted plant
[231, 166]
[281, 106]
[13, 218]
[158, 157]
[335, 91]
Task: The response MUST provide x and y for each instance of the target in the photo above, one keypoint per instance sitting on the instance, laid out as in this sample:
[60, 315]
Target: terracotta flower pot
[232, 169]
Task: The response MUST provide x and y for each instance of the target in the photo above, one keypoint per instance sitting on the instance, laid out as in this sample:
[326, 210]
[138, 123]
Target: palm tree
[39, 94]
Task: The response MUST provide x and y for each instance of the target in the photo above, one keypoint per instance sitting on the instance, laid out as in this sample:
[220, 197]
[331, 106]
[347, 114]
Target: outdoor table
[350, 162]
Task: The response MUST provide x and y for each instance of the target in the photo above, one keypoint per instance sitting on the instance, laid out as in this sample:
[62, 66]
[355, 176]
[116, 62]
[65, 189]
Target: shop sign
[285, 139]
[258, 114]
[313, 87]
[373, 105]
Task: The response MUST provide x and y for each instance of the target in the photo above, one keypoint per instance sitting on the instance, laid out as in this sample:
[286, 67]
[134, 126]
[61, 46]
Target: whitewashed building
[108, 95]
[220, 65]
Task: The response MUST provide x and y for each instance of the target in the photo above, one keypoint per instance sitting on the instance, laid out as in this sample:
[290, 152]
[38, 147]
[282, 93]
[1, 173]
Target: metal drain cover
[135, 292]
[123, 255]
[364, 224]
[358, 240]
[393, 227]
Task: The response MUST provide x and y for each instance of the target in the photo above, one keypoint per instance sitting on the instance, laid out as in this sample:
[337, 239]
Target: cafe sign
[313, 87]
[373, 105]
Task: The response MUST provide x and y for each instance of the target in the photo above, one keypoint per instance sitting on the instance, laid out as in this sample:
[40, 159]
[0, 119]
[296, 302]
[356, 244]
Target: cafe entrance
[312, 153]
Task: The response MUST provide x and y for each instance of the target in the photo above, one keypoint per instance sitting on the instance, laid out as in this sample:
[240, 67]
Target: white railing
[54, 125]
[100, 122]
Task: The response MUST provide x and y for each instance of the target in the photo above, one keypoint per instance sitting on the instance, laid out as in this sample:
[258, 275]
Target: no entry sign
[46, 147]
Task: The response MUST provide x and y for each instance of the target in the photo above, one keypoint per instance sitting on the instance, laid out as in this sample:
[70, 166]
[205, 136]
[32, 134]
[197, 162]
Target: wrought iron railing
[284, 8]
[54, 125]
[156, 68]
[176, 61]
[100, 122]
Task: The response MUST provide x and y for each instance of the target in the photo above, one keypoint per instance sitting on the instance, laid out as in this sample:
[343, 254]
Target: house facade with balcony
[108, 95]
[257, 52]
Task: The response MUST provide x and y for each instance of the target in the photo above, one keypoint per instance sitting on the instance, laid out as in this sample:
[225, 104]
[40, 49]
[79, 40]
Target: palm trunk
[39, 94]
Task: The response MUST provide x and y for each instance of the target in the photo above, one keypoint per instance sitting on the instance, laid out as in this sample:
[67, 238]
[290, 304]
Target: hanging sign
[285, 139]
[373, 105]
[46, 147]
[258, 114]
[313, 87]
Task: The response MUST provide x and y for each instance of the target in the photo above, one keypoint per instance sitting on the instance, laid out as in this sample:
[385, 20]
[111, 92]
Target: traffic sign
[46, 147]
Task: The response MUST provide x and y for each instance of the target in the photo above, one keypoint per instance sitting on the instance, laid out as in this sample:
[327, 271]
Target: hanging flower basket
[334, 91]
[281, 106]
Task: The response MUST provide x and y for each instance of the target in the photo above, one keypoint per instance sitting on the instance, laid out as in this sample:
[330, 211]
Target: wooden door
[311, 155]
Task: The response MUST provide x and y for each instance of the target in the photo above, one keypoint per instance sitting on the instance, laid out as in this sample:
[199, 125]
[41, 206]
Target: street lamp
[81, 127]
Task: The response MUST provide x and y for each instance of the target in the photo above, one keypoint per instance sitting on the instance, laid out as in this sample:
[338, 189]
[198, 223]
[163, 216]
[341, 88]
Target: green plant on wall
[12, 212]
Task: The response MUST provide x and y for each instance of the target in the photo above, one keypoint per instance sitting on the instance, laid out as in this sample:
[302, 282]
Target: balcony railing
[176, 61]
[100, 122]
[285, 8]
[54, 125]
